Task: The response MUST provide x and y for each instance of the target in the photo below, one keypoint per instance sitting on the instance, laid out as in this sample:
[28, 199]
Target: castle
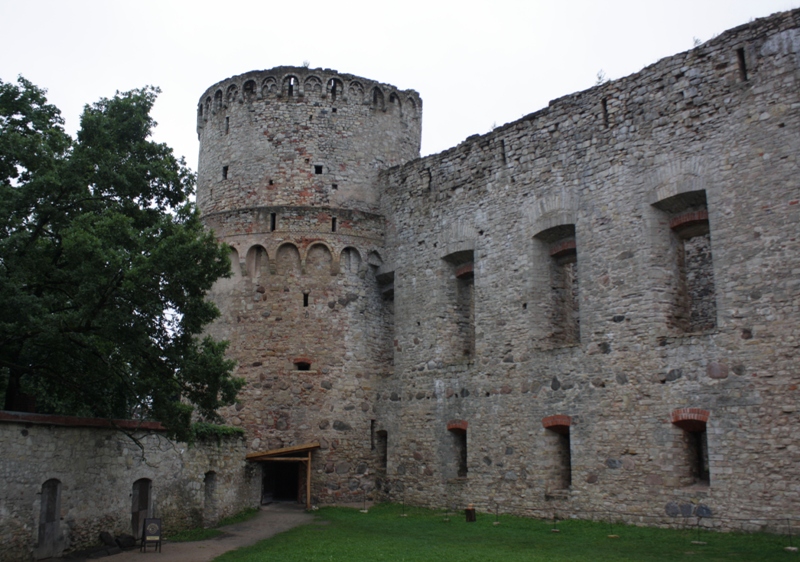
[589, 312]
[591, 309]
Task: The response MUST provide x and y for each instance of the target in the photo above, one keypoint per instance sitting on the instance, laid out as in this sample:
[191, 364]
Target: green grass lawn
[342, 534]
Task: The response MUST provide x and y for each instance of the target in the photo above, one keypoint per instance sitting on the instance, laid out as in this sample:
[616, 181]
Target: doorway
[140, 505]
[280, 481]
[50, 542]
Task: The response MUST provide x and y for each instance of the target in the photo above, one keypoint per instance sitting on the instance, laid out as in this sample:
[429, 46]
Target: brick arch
[312, 85]
[692, 420]
[232, 93]
[287, 258]
[457, 425]
[350, 259]
[315, 265]
[559, 423]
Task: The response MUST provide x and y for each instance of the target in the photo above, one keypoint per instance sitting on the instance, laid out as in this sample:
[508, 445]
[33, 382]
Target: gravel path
[271, 520]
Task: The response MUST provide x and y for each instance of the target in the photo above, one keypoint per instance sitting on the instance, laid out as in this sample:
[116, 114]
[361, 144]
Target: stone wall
[95, 469]
[667, 318]
[591, 311]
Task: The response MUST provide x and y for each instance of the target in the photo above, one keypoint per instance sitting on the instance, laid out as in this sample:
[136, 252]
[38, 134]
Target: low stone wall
[68, 479]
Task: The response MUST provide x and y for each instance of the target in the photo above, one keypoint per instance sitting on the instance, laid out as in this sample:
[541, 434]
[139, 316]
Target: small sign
[152, 529]
[151, 533]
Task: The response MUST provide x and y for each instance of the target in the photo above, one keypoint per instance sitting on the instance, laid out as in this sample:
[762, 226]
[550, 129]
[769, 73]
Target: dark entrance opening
[140, 505]
[280, 481]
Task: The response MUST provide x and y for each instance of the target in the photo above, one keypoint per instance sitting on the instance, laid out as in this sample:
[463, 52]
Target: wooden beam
[284, 450]
[280, 459]
[308, 481]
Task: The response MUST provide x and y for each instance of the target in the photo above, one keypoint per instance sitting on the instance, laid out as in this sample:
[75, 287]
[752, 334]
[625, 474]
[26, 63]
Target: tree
[104, 267]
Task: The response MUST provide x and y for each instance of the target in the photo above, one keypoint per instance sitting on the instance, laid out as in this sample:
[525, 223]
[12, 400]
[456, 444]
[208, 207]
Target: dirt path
[271, 520]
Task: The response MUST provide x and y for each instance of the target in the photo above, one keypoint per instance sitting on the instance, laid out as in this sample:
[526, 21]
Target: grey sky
[474, 63]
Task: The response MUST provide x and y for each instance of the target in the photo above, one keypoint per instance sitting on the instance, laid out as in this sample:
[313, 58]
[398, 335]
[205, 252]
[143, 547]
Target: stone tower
[289, 159]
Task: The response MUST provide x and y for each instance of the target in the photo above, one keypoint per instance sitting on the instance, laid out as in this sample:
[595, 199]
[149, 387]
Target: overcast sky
[475, 63]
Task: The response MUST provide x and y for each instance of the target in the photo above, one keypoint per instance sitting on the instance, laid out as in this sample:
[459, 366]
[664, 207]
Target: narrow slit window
[227, 125]
[305, 299]
[273, 220]
[224, 172]
[382, 447]
[333, 224]
[605, 112]
[742, 64]
[459, 451]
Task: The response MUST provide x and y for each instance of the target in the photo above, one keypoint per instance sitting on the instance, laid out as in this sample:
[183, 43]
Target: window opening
[557, 436]
[695, 438]
[305, 299]
[382, 447]
[694, 307]
[227, 125]
[271, 182]
[333, 224]
[333, 110]
[742, 64]
[224, 172]
[291, 87]
[303, 366]
[563, 327]
[335, 186]
[317, 169]
[273, 219]
[462, 304]
[459, 448]
[604, 102]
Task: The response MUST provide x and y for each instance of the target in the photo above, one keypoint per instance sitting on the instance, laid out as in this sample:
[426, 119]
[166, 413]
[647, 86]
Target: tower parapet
[300, 136]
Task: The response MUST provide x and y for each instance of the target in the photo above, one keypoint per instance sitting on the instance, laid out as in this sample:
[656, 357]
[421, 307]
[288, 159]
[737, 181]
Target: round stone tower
[289, 159]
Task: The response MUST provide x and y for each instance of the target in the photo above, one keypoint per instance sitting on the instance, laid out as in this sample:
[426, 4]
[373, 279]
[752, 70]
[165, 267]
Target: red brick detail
[465, 271]
[690, 419]
[558, 423]
[71, 421]
[562, 248]
[297, 360]
[688, 219]
[457, 424]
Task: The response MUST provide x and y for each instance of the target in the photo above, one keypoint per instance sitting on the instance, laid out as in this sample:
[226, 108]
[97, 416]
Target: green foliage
[104, 265]
[424, 535]
[203, 431]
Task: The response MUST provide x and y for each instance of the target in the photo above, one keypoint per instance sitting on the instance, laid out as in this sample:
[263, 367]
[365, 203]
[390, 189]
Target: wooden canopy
[290, 454]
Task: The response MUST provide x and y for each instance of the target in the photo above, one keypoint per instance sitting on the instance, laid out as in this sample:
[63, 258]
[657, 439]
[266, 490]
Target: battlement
[300, 136]
[301, 84]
